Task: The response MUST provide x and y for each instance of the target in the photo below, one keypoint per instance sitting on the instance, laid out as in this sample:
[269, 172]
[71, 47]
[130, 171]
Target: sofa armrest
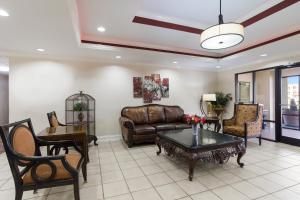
[229, 122]
[127, 123]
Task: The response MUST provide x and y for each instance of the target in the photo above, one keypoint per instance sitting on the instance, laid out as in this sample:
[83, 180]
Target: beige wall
[3, 98]
[38, 86]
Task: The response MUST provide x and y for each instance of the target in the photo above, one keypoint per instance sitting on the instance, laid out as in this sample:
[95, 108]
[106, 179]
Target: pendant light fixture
[222, 35]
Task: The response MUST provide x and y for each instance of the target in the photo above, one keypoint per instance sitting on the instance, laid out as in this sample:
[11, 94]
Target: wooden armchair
[246, 122]
[53, 122]
[31, 170]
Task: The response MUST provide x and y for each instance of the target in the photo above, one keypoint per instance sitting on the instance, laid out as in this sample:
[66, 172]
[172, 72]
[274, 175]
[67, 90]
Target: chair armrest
[36, 161]
[229, 122]
[127, 123]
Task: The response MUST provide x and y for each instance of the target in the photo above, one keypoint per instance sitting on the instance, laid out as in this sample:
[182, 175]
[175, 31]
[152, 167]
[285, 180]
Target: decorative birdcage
[80, 110]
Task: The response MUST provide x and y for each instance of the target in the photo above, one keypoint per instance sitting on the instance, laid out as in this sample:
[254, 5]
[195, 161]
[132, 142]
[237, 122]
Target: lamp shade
[222, 36]
[209, 97]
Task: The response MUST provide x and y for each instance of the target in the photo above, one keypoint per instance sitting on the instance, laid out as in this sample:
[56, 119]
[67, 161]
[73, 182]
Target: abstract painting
[165, 88]
[137, 87]
[151, 88]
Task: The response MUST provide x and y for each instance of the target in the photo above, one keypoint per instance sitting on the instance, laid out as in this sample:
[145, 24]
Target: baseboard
[106, 138]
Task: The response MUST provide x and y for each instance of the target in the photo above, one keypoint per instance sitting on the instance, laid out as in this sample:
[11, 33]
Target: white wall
[3, 98]
[38, 86]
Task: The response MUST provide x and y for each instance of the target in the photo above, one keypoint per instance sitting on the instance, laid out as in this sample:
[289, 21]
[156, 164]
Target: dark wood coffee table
[206, 146]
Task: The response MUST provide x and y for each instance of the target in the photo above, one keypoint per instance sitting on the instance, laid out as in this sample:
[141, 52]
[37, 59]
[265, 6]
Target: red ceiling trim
[146, 48]
[168, 25]
[270, 11]
[263, 43]
[193, 54]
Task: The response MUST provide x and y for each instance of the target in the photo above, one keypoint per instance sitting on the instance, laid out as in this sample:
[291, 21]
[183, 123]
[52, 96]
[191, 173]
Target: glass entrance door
[290, 90]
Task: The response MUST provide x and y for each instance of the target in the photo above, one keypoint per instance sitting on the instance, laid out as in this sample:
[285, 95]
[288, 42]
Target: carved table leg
[192, 164]
[241, 151]
[157, 140]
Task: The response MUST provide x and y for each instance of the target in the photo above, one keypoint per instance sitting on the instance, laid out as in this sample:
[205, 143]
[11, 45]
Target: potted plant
[79, 107]
[221, 102]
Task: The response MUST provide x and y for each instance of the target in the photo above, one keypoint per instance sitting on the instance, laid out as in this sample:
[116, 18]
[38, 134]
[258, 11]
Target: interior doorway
[4, 104]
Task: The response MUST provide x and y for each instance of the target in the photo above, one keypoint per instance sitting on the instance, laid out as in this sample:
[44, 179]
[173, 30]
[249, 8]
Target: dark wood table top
[204, 140]
[63, 131]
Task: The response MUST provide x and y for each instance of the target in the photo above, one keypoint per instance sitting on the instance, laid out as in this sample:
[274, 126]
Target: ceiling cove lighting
[101, 29]
[222, 35]
[3, 13]
[40, 50]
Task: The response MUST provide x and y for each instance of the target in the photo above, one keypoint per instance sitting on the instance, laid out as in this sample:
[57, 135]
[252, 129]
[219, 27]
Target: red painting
[137, 87]
[165, 88]
[152, 88]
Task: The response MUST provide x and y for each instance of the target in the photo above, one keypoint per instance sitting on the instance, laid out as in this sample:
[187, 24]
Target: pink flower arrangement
[194, 119]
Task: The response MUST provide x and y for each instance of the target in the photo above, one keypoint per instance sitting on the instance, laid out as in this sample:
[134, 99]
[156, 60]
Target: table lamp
[207, 98]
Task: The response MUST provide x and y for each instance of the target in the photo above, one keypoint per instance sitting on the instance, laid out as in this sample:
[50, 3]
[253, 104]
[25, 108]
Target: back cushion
[173, 114]
[23, 141]
[245, 113]
[137, 115]
[156, 114]
[54, 121]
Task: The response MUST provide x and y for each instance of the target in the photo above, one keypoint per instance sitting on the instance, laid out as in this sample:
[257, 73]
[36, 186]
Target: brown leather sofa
[141, 123]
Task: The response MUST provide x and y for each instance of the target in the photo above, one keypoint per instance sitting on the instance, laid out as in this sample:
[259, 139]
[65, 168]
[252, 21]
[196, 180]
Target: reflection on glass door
[265, 95]
[290, 103]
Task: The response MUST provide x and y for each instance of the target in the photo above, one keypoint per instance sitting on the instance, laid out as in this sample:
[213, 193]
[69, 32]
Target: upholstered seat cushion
[164, 127]
[182, 126]
[144, 129]
[44, 171]
[234, 130]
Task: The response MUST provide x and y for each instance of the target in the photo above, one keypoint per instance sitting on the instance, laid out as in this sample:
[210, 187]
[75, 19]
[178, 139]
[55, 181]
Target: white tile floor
[115, 172]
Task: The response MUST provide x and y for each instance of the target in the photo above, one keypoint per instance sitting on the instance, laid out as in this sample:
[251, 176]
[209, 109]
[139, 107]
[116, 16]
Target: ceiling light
[264, 55]
[4, 69]
[222, 35]
[3, 13]
[118, 57]
[175, 62]
[101, 29]
[218, 67]
[40, 50]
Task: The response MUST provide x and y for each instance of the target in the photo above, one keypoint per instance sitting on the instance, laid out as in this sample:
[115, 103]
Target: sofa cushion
[234, 130]
[182, 126]
[164, 127]
[156, 114]
[144, 129]
[245, 113]
[173, 114]
[138, 115]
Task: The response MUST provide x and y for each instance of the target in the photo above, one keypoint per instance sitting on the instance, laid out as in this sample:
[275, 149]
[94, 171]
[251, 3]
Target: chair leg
[259, 139]
[76, 190]
[19, 194]
[84, 172]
